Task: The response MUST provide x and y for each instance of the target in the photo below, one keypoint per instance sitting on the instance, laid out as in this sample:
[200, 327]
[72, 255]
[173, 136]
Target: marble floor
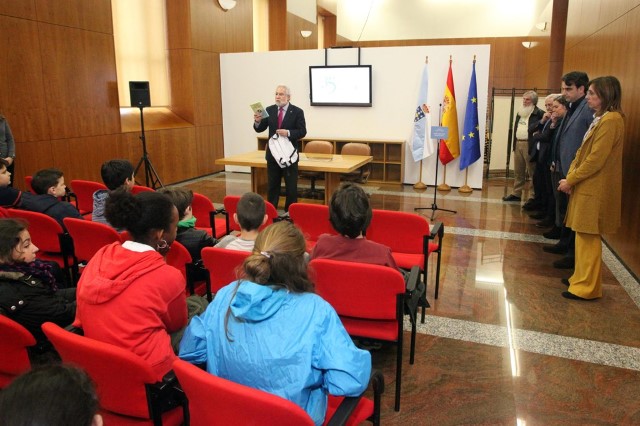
[500, 346]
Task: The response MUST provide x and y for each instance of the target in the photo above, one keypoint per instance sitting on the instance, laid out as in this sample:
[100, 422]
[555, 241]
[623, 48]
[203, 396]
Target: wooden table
[332, 165]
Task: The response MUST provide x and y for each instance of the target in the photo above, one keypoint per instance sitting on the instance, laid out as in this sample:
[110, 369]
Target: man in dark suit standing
[285, 120]
[575, 124]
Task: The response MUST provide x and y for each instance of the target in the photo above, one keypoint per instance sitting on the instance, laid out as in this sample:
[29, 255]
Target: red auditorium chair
[222, 265]
[312, 220]
[14, 341]
[89, 237]
[84, 190]
[179, 257]
[205, 212]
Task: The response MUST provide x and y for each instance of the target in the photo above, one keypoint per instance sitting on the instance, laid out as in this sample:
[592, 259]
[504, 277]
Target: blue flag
[422, 145]
[470, 140]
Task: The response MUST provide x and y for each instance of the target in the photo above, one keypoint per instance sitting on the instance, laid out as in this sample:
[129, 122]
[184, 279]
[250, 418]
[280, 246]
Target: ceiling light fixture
[306, 33]
[529, 44]
[542, 26]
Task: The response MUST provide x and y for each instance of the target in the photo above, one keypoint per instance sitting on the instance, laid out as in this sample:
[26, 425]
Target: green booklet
[258, 108]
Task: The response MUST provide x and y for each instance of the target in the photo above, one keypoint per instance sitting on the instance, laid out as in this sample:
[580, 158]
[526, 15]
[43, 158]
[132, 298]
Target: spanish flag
[449, 148]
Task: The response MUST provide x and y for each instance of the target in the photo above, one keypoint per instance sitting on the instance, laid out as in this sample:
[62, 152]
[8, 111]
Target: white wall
[252, 77]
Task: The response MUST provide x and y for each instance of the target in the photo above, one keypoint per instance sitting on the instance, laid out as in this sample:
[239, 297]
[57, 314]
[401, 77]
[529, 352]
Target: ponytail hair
[278, 259]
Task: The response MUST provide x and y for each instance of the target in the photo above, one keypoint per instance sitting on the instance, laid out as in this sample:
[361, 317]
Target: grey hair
[552, 96]
[534, 96]
[287, 91]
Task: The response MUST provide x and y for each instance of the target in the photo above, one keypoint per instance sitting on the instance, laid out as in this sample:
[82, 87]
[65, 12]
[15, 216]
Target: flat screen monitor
[344, 85]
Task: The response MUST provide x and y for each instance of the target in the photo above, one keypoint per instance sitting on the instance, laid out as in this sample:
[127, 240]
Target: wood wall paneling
[206, 77]
[238, 28]
[278, 25]
[208, 25]
[22, 98]
[330, 26]
[18, 8]
[209, 146]
[178, 24]
[295, 41]
[94, 15]
[612, 50]
[32, 156]
[79, 68]
[181, 79]
[172, 152]
[93, 150]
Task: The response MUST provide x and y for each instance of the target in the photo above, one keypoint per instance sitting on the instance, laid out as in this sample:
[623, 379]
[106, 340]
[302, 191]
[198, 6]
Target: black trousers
[274, 179]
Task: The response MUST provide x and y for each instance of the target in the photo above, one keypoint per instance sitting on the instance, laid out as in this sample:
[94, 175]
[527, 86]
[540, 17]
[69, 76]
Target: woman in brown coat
[594, 183]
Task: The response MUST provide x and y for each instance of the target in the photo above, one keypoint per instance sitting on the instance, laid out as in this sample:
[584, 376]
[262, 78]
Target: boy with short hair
[9, 197]
[115, 174]
[350, 214]
[190, 237]
[49, 186]
[250, 215]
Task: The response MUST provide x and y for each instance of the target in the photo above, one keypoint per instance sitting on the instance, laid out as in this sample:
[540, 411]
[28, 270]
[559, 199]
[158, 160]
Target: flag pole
[465, 189]
[443, 186]
[420, 184]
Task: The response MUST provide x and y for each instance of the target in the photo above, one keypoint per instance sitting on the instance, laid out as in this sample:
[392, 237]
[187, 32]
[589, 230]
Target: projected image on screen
[340, 85]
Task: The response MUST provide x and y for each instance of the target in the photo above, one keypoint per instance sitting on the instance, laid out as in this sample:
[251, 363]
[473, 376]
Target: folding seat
[222, 265]
[371, 301]
[216, 401]
[84, 190]
[312, 220]
[411, 240]
[128, 391]
[179, 257]
[205, 212]
[14, 341]
[89, 237]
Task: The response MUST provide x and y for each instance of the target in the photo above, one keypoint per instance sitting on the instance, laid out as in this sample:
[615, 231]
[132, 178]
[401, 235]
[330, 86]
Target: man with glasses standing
[284, 120]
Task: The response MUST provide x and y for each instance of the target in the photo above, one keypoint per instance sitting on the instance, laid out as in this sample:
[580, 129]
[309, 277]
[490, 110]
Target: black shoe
[511, 198]
[531, 205]
[537, 216]
[556, 249]
[572, 296]
[565, 281]
[554, 234]
[565, 263]
[544, 223]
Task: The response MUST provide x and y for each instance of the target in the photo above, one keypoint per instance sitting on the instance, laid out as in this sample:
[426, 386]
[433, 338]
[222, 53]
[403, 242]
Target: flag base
[444, 187]
[420, 185]
[465, 189]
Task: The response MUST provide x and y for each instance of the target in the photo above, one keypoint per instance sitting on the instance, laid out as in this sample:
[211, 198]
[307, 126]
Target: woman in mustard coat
[594, 183]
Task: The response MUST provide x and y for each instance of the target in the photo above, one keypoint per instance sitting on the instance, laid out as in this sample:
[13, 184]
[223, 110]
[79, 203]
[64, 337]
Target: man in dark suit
[285, 120]
[574, 126]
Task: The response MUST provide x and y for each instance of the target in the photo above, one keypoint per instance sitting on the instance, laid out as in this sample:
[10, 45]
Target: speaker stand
[151, 178]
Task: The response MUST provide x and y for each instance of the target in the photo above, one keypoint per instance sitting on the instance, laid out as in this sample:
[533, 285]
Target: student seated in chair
[29, 291]
[54, 395]
[9, 196]
[268, 330]
[350, 214]
[193, 239]
[49, 186]
[115, 174]
[250, 215]
[127, 295]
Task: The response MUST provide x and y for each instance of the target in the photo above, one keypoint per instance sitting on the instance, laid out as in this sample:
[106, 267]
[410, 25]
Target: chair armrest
[437, 231]
[165, 395]
[75, 330]
[414, 277]
[349, 403]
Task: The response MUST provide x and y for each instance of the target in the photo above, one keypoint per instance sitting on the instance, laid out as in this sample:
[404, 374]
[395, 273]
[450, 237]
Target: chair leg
[437, 276]
[424, 304]
[398, 372]
[414, 318]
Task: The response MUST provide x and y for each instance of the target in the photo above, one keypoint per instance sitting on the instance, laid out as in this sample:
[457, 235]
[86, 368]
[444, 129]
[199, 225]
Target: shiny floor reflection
[500, 345]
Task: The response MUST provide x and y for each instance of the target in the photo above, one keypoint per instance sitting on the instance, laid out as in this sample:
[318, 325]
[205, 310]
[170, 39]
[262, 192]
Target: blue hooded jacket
[290, 344]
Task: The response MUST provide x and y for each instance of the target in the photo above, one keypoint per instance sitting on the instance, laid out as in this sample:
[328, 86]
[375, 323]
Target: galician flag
[422, 145]
[449, 148]
[471, 132]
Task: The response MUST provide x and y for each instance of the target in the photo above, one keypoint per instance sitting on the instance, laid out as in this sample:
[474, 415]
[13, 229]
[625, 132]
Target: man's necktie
[280, 116]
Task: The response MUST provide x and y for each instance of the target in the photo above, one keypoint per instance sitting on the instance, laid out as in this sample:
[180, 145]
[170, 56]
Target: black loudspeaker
[139, 92]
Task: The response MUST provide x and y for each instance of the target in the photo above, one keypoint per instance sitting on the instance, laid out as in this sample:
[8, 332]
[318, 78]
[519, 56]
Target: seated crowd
[267, 329]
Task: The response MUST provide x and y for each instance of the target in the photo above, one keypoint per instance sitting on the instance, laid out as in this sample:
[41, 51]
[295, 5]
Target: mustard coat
[596, 177]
